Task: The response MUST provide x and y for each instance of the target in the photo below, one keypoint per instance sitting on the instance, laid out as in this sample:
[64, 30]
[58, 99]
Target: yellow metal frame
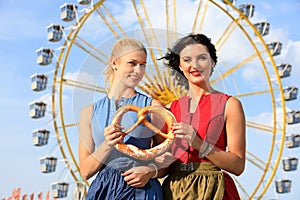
[64, 54]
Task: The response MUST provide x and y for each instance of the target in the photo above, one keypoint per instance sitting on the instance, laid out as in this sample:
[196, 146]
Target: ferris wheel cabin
[275, 48]
[284, 70]
[55, 32]
[40, 137]
[230, 1]
[247, 10]
[290, 163]
[44, 56]
[38, 82]
[68, 12]
[293, 117]
[292, 141]
[60, 189]
[37, 109]
[262, 28]
[84, 2]
[79, 191]
[290, 93]
[48, 164]
[283, 185]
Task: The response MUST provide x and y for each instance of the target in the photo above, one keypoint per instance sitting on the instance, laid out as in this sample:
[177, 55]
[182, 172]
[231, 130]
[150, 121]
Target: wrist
[207, 147]
[154, 169]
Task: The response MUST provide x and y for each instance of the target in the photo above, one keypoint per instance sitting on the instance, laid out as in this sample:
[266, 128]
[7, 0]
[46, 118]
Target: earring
[212, 70]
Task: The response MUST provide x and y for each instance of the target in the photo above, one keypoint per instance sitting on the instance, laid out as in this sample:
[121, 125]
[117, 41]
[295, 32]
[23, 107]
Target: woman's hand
[187, 132]
[165, 160]
[113, 134]
[138, 176]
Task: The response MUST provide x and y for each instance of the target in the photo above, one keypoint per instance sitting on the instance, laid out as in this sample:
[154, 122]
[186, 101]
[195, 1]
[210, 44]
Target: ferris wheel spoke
[234, 68]
[171, 23]
[263, 127]
[90, 50]
[68, 125]
[259, 163]
[114, 21]
[240, 186]
[228, 31]
[84, 85]
[149, 36]
[253, 93]
[152, 84]
[196, 15]
[92, 47]
[202, 17]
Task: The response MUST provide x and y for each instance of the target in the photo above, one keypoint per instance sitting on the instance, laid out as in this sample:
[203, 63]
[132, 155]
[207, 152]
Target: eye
[202, 57]
[131, 63]
[143, 65]
[185, 59]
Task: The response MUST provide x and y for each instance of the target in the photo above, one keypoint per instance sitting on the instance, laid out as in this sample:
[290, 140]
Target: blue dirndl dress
[109, 184]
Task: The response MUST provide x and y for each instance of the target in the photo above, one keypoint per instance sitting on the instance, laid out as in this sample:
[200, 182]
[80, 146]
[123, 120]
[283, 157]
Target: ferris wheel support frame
[71, 40]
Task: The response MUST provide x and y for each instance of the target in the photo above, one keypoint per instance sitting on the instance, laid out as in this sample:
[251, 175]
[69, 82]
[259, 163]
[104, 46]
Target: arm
[157, 121]
[91, 159]
[232, 161]
[163, 161]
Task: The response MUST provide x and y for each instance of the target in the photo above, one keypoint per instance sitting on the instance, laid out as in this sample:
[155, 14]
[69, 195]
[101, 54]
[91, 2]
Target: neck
[118, 92]
[195, 91]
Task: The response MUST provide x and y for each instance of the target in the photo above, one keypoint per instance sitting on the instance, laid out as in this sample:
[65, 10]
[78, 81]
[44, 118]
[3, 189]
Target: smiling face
[196, 64]
[130, 68]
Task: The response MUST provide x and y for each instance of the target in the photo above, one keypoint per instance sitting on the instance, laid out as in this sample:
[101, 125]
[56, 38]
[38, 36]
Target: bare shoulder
[234, 106]
[233, 102]
[87, 111]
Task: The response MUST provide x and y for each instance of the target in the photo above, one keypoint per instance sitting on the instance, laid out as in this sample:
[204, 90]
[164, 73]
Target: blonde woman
[118, 176]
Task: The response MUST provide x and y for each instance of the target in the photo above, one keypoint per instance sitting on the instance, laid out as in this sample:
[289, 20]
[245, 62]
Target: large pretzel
[145, 154]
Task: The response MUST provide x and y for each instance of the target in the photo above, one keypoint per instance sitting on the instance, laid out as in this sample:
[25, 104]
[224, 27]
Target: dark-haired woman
[210, 128]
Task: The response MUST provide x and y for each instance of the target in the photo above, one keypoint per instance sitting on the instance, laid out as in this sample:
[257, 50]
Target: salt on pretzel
[145, 154]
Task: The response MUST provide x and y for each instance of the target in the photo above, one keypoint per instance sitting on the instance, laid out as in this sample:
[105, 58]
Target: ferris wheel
[79, 49]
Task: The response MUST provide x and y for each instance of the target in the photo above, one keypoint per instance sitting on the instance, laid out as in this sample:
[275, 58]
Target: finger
[113, 135]
[119, 127]
[129, 177]
[135, 184]
[113, 128]
[128, 172]
[179, 136]
[109, 131]
[114, 141]
[178, 132]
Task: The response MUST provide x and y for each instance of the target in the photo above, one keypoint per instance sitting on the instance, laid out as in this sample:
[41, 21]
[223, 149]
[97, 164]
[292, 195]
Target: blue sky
[23, 31]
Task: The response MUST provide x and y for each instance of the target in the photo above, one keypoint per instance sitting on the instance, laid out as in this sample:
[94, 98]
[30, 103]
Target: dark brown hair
[172, 57]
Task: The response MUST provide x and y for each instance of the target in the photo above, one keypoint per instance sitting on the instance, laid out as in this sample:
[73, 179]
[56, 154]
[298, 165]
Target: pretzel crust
[145, 154]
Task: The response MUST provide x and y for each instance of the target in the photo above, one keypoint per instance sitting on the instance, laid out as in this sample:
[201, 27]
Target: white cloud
[293, 57]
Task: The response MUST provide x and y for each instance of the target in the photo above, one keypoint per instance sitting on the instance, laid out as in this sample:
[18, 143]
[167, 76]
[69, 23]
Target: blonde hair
[121, 48]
